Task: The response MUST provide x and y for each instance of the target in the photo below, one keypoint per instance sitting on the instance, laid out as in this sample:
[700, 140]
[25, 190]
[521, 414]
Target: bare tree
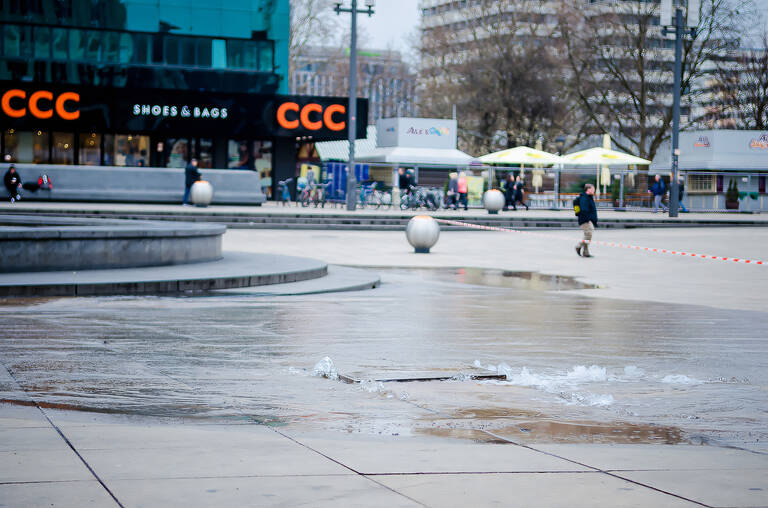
[741, 89]
[501, 68]
[620, 65]
[313, 23]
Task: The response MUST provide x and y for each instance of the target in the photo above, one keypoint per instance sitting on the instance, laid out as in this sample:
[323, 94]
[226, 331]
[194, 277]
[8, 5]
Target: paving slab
[28, 439]
[587, 490]
[15, 416]
[396, 454]
[282, 491]
[42, 466]
[723, 487]
[75, 494]
[659, 457]
[184, 452]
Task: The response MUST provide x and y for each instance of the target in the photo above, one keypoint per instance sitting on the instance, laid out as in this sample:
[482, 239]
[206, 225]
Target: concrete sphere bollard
[493, 201]
[422, 233]
[201, 193]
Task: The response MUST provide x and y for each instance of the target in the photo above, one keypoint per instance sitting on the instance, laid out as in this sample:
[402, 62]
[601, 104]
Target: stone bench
[136, 184]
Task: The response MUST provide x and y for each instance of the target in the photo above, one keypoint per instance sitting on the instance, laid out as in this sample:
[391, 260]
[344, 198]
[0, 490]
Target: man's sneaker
[13, 200]
[587, 255]
[578, 249]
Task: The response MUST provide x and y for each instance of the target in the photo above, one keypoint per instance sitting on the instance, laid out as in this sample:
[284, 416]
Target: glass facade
[107, 46]
[233, 45]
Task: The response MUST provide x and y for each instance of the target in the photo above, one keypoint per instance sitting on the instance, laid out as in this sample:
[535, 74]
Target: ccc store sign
[312, 116]
[41, 104]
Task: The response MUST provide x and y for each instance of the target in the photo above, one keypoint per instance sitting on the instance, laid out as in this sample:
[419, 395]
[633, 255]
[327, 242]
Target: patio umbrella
[521, 155]
[602, 156]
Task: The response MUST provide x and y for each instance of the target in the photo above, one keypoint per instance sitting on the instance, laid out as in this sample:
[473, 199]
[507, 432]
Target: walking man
[587, 219]
[658, 189]
[463, 188]
[191, 175]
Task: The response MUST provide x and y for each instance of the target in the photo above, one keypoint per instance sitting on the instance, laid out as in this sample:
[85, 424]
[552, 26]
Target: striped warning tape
[608, 244]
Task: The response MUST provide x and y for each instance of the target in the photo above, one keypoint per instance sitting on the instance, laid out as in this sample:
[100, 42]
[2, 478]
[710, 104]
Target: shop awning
[426, 156]
[339, 150]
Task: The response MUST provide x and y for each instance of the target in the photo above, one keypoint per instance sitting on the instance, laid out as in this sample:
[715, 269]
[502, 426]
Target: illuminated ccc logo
[301, 116]
[35, 104]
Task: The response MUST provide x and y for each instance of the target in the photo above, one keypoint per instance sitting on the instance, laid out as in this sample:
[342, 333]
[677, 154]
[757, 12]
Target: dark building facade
[127, 83]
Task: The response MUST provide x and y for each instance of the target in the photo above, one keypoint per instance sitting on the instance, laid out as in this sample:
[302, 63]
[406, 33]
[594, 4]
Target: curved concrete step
[339, 279]
[235, 269]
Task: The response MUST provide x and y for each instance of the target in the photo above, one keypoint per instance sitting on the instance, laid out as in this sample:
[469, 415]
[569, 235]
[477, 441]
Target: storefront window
[205, 160]
[109, 150]
[125, 48]
[265, 58]
[77, 42]
[172, 50]
[239, 155]
[142, 49]
[93, 48]
[204, 52]
[262, 155]
[242, 54]
[187, 51]
[90, 145]
[63, 148]
[59, 40]
[178, 153]
[111, 44]
[26, 146]
[130, 150]
[17, 40]
[42, 42]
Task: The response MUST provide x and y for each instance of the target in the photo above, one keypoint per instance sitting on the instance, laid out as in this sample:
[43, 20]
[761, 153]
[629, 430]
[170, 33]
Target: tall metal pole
[351, 179]
[674, 201]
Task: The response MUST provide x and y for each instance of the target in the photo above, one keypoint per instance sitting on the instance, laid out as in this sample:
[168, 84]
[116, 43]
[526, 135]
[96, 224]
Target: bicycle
[305, 196]
[366, 195]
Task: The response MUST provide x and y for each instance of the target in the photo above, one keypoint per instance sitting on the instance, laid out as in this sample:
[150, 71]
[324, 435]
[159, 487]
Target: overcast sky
[391, 25]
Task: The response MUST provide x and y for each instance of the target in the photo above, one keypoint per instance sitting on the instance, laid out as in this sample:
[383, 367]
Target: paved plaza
[633, 379]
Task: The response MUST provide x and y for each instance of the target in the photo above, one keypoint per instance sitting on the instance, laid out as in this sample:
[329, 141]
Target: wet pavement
[578, 370]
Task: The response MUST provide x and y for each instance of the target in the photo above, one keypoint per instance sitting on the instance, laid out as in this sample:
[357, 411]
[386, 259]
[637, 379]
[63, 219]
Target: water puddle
[531, 281]
[527, 432]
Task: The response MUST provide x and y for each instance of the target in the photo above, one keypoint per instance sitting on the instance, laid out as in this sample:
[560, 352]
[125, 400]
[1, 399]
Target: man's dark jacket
[588, 211]
[9, 182]
[191, 175]
[658, 188]
[403, 181]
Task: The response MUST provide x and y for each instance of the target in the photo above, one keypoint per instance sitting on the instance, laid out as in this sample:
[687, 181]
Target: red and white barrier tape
[608, 244]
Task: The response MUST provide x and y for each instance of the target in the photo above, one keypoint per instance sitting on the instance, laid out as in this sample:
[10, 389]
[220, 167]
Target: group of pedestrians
[659, 189]
[513, 192]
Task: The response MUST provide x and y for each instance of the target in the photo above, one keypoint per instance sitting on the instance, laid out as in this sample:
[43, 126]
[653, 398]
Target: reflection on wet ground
[570, 368]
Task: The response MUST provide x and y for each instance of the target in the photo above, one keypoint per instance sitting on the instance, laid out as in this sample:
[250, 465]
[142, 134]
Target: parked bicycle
[418, 197]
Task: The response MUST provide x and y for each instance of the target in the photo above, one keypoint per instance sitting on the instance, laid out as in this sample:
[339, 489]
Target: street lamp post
[352, 116]
[677, 25]
[560, 143]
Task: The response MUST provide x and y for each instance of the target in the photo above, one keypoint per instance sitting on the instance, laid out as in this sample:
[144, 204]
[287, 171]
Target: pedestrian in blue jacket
[587, 219]
[658, 189]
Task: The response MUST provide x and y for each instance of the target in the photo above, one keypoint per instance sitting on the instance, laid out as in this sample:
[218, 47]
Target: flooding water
[570, 368]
